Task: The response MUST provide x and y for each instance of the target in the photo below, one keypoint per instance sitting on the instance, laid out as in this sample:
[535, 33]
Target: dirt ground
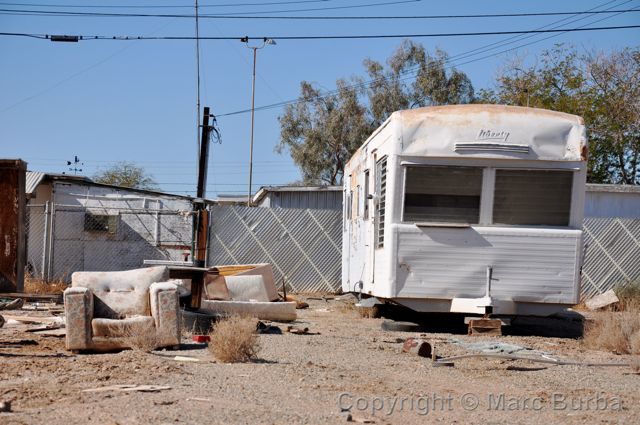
[348, 368]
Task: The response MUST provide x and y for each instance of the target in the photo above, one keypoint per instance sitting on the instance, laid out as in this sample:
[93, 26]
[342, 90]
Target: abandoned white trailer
[468, 209]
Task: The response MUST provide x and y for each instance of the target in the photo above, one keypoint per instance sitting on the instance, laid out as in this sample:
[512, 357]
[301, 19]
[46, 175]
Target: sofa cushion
[126, 293]
[247, 288]
[123, 328]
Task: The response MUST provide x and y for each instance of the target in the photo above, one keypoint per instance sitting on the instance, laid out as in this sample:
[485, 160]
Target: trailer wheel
[393, 326]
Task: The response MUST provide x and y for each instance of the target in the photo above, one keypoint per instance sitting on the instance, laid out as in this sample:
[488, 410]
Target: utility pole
[197, 80]
[201, 216]
[265, 42]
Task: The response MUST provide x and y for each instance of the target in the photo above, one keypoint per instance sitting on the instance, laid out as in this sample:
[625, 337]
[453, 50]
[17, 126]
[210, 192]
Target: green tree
[321, 132]
[604, 89]
[126, 174]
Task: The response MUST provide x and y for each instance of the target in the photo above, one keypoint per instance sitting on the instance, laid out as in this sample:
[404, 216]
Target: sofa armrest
[78, 310]
[165, 309]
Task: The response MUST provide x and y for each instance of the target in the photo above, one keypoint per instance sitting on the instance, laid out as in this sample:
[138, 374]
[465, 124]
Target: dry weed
[136, 339]
[33, 285]
[629, 295]
[234, 339]
[618, 332]
[369, 312]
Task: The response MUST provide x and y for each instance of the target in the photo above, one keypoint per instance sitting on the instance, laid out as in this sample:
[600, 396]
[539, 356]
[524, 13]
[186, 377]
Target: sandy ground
[347, 364]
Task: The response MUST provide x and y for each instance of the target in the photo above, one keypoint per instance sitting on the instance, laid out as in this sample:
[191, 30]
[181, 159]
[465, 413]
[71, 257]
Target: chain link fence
[62, 239]
[303, 246]
[612, 254]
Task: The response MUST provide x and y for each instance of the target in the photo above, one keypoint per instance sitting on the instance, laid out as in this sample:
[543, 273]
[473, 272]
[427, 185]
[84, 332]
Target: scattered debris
[5, 406]
[206, 400]
[12, 305]
[48, 327]
[263, 328]
[531, 359]
[297, 331]
[417, 346]
[35, 319]
[185, 359]
[129, 387]
[17, 343]
[602, 300]
[300, 305]
[58, 333]
[495, 347]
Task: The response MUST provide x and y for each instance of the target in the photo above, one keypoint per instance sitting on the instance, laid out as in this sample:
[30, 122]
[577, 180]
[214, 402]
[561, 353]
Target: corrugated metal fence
[303, 246]
[612, 254]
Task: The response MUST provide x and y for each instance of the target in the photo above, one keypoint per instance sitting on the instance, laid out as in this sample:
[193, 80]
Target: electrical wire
[386, 3]
[328, 37]
[126, 6]
[464, 55]
[239, 16]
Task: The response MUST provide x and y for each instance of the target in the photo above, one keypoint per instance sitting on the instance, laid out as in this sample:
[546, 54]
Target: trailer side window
[366, 194]
[532, 197]
[442, 194]
[381, 192]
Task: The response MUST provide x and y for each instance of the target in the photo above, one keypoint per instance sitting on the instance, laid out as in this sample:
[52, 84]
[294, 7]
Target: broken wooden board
[485, 327]
[33, 319]
[129, 387]
[58, 333]
[57, 298]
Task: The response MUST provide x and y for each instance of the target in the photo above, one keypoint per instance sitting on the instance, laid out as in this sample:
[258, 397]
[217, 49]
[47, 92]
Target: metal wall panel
[303, 246]
[527, 265]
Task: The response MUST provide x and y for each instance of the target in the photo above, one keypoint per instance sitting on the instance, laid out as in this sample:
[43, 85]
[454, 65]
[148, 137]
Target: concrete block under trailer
[468, 209]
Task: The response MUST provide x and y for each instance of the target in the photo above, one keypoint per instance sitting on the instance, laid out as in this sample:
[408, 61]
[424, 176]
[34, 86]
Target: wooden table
[186, 270]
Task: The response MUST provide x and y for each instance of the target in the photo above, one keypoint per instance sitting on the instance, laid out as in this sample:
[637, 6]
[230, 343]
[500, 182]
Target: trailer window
[366, 194]
[532, 197]
[381, 192]
[442, 194]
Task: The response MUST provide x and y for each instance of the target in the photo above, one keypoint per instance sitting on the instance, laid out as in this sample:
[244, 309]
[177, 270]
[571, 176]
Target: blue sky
[108, 100]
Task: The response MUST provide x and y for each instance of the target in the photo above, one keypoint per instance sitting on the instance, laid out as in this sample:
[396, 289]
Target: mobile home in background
[468, 209]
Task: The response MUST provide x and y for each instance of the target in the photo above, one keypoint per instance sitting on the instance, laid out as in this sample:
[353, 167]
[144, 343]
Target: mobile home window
[381, 192]
[442, 194]
[366, 194]
[532, 197]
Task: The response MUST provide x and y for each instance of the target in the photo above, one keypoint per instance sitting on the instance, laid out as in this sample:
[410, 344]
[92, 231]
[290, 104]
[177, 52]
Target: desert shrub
[234, 339]
[133, 338]
[629, 295]
[618, 332]
[33, 285]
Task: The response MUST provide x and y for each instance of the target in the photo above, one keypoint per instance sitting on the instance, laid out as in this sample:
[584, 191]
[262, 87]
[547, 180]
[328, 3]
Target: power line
[241, 16]
[126, 6]
[325, 37]
[464, 55]
[359, 6]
